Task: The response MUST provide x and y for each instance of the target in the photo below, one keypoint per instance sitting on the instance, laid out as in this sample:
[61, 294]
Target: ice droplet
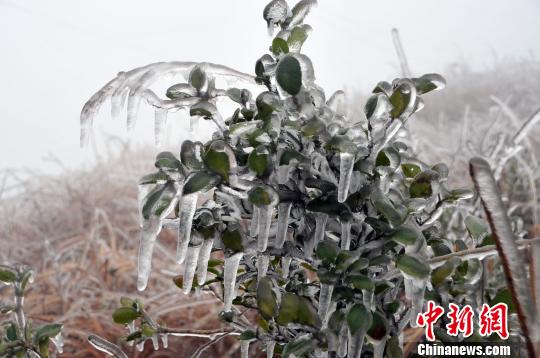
[204, 256]
[105, 346]
[58, 342]
[345, 235]
[188, 206]
[160, 122]
[140, 346]
[325, 299]
[190, 265]
[229, 279]
[284, 211]
[346, 165]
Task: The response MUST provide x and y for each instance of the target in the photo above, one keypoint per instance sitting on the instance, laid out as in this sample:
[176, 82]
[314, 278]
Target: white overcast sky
[55, 54]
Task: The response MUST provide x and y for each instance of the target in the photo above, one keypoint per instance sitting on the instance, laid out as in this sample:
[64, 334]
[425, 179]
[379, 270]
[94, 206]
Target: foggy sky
[55, 54]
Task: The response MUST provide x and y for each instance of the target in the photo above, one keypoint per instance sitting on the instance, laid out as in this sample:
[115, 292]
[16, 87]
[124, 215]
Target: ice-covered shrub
[327, 228]
[18, 335]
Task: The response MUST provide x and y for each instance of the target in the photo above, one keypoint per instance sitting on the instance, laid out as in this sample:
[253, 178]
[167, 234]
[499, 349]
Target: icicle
[378, 348]
[320, 225]
[117, 103]
[262, 266]
[204, 256]
[356, 343]
[283, 173]
[285, 266]
[343, 342]
[417, 297]
[229, 279]
[188, 205]
[164, 340]
[284, 211]
[155, 342]
[149, 233]
[58, 342]
[265, 220]
[270, 349]
[105, 346]
[367, 298]
[345, 235]
[254, 226]
[160, 123]
[190, 265]
[244, 349]
[140, 346]
[346, 165]
[325, 299]
[134, 101]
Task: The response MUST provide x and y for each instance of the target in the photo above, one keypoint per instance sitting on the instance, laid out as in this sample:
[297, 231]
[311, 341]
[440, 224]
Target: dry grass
[80, 232]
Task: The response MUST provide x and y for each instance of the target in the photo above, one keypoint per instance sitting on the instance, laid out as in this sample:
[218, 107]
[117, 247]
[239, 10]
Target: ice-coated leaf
[181, 90]
[327, 251]
[106, 346]
[276, 12]
[385, 207]
[476, 227]
[410, 170]
[198, 78]
[233, 240]
[259, 160]
[377, 105]
[298, 36]
[125, 315]
[404, 236]
[191, 155]
[413, 266]
[218, 160]
[280, 46]
[7, 274]
[289, 74]
[439, 274]
[167, 160]
[266, 299]
[299, 347]
[362, 282]
[429, 82]
[379, 327]
[300, 11]
[297, 309]
[358, 318]
[421, 186]
[203, 109]
[200, 182]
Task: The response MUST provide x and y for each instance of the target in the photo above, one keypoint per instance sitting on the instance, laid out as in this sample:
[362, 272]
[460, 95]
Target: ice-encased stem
[160, 122]
[325, 299]
[244, 349]
[346, 165]
[229, 279]
[105, 346]
[320, 225]
[148, 236]
[265, 220]
[345, 235]
[284, 211]
[204, 256]
[190, 265]
[188, 205]
[262, 266]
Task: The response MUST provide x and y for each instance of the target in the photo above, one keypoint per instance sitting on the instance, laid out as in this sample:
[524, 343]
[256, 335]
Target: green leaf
[299, 347]
[327, 251]
[6, 308]
[410, 170]
[298, 36]
[258, 161]
[385, 207]
[125, 315]
[296, 309]
[476, 227]
[167, 160]
[421, 186]
[201, 182]
[233, 240]
[247, 336]
[289, 75]
[47, 331]
[382, 159]
[413, 266]
[504, 296]
[393, 350]
[439, 274]
[260, 196]
[203, 109]
[362, 282]
[358, 265]
[358, 319]
[179, 281]
[152, 199]
[147, 330]
[154, 178]
[126, 301]
[429, 82]
[399, 101]
[329, 206]
[379, 327]
[404, 236]
[218, 162]
[266, 299]
[7, 274]
[198, 78]
[279, 46]
[289, 155]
